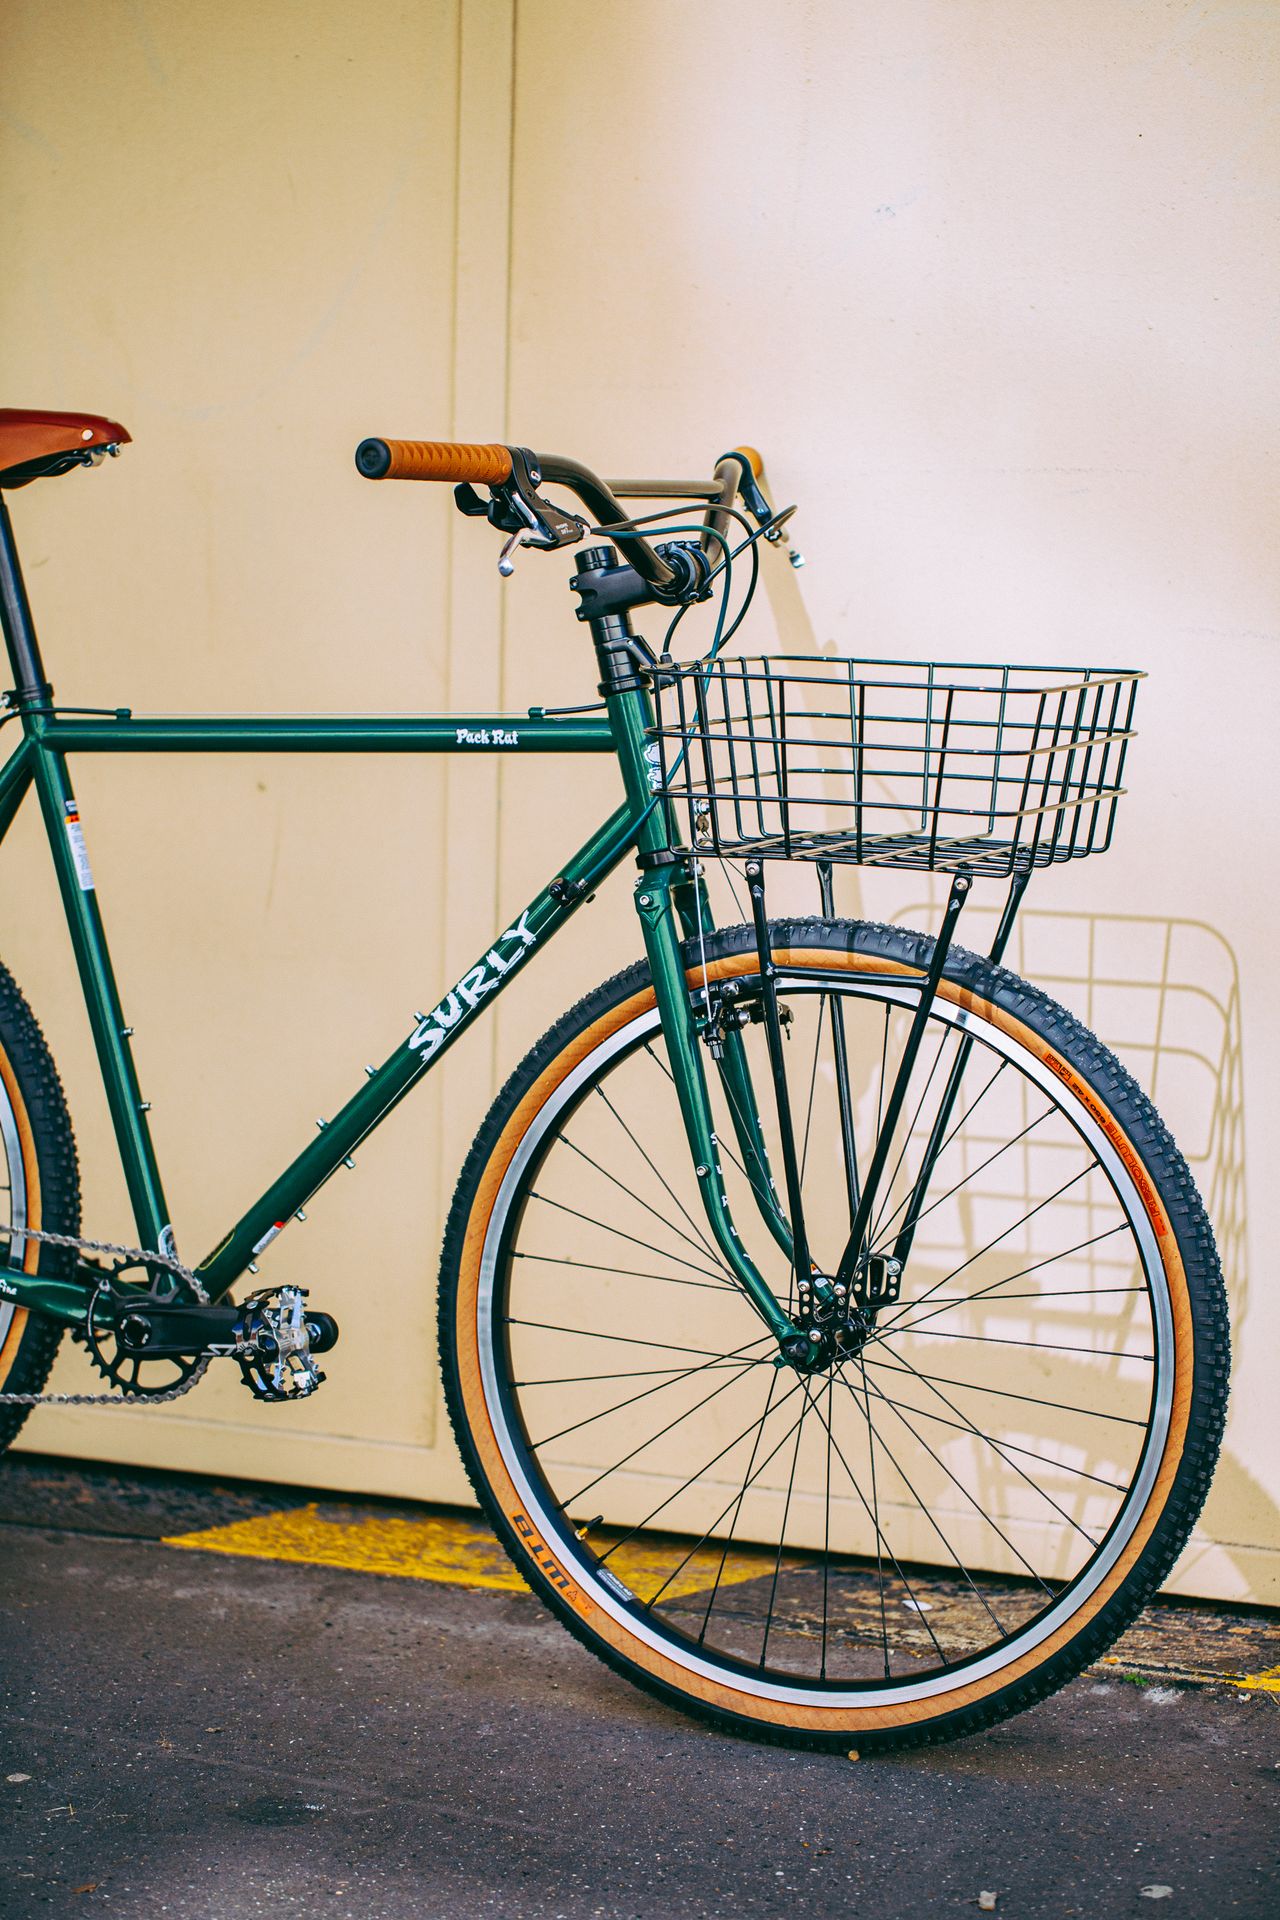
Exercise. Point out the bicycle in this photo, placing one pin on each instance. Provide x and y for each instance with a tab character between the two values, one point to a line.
832	1332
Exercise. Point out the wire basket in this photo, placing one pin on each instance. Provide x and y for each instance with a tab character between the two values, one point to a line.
891	763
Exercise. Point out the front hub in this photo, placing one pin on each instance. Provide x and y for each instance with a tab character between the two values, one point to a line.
835	1322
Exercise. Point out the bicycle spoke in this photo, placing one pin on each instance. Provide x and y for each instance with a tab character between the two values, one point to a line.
979	1434
1040	1346
690	1373
973	1173
1007	1393
826	1542
881	1537
884	1057
706	1468
590	1220
628	1273
813	1082
886	1186
631	1194
782	1534
963	1425
960	1486
733	1525
661	1434
875	1501
624	1339
932	1518
955	1129
667	1188
631	1373
888	1325
1021	1274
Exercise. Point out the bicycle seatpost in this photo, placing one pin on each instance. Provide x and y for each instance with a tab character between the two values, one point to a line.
31	689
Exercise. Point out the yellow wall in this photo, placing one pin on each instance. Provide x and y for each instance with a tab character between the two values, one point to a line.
986	280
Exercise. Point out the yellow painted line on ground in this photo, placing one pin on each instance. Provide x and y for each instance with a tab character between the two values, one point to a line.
1268	1682
453	1551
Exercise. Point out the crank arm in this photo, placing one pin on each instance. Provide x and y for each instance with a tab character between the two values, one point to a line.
155	1332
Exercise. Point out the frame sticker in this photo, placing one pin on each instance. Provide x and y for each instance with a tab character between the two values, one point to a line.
79	852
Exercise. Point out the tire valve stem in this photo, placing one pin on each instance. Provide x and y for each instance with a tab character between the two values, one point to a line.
580	1533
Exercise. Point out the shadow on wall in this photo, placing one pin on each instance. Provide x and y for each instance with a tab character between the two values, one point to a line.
1163	994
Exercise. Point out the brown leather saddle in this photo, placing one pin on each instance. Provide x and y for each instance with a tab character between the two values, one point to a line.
34	444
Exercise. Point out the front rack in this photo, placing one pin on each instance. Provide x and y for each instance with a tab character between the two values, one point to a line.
891	763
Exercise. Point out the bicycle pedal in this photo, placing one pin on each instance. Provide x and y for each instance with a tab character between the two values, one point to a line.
277	1340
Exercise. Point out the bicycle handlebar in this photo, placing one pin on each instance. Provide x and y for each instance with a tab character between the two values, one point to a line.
492	464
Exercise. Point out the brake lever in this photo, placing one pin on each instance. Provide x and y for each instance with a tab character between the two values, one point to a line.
550	525
516	508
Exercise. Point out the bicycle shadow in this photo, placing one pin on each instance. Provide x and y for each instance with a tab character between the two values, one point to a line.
1164	994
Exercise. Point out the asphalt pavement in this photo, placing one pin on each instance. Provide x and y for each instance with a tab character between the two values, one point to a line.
200	1732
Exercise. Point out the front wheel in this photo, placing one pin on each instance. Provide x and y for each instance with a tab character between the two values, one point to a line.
919	1538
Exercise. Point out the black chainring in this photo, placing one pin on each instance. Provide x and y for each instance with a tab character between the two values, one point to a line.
122	1368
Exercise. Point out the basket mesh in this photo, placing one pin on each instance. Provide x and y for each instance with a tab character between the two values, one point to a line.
891	763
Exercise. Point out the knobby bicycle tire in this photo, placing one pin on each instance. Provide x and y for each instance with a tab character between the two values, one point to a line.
39	1187
852	1651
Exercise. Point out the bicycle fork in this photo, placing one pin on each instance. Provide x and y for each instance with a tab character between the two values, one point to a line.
870	1279
656	908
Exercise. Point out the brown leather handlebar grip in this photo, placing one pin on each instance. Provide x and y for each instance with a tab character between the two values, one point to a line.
432	460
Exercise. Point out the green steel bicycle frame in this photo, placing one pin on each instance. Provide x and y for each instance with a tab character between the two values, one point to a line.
670	899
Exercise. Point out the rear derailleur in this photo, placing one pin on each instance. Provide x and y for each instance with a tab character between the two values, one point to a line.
271	1334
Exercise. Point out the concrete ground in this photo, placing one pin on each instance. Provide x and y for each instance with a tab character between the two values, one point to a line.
197	1731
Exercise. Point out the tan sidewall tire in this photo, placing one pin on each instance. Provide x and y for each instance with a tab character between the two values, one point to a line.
19	1318
39	1143
721	1697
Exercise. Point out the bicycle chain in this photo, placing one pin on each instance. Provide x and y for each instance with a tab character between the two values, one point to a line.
130	1256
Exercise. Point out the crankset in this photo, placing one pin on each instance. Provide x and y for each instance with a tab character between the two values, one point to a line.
146	1346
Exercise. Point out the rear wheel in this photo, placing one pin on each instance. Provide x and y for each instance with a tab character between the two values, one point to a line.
39	1187
923	1537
